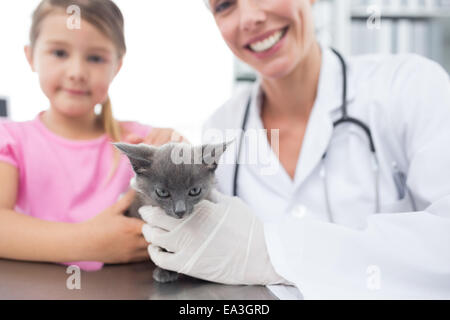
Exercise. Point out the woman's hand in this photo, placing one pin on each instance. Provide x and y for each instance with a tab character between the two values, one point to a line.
157	137
111	237
220	242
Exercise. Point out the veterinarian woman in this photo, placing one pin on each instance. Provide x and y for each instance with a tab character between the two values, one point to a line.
360	204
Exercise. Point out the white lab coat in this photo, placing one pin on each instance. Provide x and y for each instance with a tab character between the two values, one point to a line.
392	254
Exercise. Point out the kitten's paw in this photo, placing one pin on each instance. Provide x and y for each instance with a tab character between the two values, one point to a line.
164	276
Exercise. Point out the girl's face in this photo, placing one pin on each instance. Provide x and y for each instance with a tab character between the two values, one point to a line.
75	66
272	36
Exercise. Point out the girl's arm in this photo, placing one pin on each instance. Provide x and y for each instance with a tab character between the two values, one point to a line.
109	237
26	238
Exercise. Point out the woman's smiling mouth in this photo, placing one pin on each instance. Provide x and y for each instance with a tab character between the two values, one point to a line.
268	42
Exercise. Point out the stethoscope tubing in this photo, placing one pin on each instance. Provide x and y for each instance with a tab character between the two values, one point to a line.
344	119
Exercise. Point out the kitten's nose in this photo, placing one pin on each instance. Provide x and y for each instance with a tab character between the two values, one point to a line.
180	208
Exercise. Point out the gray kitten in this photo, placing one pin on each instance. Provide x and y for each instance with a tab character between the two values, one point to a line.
174	177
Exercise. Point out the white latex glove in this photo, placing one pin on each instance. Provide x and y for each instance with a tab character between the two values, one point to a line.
221	242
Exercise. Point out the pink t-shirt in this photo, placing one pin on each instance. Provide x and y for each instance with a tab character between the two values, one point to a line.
64	180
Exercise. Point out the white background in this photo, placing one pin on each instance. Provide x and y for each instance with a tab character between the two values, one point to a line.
177	70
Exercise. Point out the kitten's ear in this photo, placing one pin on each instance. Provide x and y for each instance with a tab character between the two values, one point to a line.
140	155
212	153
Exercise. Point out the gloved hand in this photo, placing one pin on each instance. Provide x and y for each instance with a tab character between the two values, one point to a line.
221	242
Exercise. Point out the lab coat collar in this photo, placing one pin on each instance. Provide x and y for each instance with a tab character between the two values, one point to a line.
320	125
326	110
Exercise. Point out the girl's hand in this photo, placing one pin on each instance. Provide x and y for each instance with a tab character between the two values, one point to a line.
111	237
157	137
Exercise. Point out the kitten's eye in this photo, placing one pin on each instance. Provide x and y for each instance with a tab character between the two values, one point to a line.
195	192
162	193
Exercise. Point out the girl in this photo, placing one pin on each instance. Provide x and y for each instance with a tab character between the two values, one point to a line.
60	177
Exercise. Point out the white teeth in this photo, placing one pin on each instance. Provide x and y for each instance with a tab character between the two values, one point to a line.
267	43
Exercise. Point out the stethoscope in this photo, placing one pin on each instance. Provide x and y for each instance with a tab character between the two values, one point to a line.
345	118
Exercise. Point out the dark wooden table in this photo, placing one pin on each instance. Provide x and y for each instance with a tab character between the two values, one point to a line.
28	280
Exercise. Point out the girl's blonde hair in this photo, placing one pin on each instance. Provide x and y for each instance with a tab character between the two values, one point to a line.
108	19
